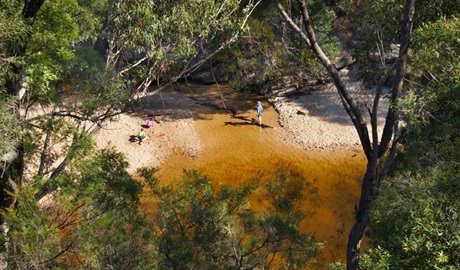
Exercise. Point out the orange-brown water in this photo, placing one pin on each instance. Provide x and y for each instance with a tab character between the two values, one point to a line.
235	150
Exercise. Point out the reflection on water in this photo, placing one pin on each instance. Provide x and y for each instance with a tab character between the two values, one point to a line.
236	149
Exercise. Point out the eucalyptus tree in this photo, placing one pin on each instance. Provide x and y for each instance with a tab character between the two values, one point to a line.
197	225
379	152
268	54
163	41
415	221
64	87
43	124
12	30
90	222
55	89
39	50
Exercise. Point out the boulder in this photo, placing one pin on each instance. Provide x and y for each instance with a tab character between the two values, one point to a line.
209	76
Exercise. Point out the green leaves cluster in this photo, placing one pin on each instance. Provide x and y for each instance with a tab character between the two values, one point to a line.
270	50
89	221
92	221
9	125
414	223
422	230
199	226
50	47
31	239
432	108
13	31
168	36
436	57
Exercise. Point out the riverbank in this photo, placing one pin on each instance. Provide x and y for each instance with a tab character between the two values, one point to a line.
310	120
213	129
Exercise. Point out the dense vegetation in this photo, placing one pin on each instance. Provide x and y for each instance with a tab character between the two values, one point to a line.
415	221
81	62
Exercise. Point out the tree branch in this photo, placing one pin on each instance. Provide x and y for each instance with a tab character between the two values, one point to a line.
189	69
132	66
57	255
308	35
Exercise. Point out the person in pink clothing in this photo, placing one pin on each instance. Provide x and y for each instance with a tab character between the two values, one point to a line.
149	123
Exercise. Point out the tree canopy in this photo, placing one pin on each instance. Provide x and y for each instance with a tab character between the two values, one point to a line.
67	66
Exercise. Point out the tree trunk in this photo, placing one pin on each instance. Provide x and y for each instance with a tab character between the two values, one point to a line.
372	175
371	147
362	216
31	8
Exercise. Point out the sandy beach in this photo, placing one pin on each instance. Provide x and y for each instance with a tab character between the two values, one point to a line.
310	120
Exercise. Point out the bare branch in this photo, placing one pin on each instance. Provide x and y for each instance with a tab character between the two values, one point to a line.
57	255
69	215
308	35
190	68
140	61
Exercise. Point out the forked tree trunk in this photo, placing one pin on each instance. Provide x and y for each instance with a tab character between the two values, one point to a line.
372	175
373	150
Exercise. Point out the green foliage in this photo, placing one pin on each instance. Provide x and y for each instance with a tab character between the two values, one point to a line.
49	47
336	266
89	222
380	24
291	200
322	20
270	50
251	62
89	219
286	191
415	222
61	136
103	179
431	11
9	125
377	259
43	50
432	110
422	230
13	31
436	57
170	34
197	226
31	239
90	90
90	17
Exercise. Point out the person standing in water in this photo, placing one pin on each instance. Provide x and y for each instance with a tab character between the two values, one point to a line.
260	110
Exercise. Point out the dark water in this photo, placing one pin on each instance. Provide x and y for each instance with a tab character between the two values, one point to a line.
235	150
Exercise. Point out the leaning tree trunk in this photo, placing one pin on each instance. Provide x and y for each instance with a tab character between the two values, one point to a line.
373	150
372	175
362	215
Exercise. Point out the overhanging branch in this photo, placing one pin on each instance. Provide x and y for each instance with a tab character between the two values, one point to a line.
352	109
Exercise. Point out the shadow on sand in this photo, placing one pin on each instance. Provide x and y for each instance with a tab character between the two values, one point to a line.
133	139
246	122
